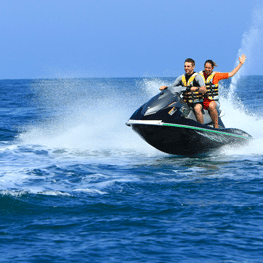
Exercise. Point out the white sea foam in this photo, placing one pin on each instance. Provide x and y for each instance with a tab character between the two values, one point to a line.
237	116
252	47
151	86
90	191
84	123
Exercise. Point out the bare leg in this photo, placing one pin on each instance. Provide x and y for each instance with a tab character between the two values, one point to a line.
198	112
213	113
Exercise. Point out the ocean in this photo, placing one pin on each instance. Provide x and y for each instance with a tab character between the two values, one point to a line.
78	185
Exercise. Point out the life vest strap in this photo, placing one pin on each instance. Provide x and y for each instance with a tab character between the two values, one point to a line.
192	97
212	92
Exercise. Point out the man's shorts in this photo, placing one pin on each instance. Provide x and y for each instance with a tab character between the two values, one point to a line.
206	103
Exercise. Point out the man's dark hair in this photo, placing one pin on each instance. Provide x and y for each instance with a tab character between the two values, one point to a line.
191	61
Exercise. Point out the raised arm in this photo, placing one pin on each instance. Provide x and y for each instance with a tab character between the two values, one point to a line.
242	60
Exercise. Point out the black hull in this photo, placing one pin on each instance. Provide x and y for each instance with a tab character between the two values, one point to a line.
188	140
167	123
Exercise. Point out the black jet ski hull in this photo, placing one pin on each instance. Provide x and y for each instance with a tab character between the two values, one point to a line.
181	139
167	123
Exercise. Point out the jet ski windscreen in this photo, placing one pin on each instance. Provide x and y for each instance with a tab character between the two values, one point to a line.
159	102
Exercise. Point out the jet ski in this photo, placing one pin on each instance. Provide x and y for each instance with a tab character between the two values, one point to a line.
167	123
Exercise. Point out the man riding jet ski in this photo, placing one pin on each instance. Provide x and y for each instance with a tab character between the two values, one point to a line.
193	88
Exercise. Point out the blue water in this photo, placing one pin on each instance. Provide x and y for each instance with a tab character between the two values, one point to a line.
77	185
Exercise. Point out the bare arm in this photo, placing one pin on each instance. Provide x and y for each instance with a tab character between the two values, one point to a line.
163	87
200	89
242	60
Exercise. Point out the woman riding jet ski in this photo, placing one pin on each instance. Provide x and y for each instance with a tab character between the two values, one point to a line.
170	125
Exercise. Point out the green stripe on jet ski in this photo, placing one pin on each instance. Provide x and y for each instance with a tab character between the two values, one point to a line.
205	130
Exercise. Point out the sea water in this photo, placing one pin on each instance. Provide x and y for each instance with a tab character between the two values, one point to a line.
78	185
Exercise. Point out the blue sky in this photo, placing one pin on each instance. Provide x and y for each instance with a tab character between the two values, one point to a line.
125	38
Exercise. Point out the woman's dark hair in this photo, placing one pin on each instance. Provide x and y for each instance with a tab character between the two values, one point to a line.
211	62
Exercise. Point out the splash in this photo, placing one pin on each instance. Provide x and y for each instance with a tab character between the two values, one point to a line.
86	115
252	47
151	86
237	116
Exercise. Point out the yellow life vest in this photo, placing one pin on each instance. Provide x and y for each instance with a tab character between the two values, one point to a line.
191	96
190	81
211	89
